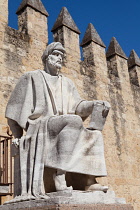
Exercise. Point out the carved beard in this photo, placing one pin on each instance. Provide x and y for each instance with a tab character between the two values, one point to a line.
54	65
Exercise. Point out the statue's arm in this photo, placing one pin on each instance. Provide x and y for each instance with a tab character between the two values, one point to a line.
85	108
17	131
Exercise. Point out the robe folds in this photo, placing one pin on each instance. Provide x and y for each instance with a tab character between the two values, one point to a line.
32	103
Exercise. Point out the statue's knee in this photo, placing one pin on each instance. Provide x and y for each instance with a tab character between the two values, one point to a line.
74	121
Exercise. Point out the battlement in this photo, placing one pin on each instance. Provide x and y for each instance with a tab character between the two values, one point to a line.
100	75
32	21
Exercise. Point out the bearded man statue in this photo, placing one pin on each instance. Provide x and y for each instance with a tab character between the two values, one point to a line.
48	108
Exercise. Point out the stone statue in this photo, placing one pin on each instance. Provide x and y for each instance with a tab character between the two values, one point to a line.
47	107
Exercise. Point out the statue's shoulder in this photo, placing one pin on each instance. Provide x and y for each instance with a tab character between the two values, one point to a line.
29	74
69	81
32	73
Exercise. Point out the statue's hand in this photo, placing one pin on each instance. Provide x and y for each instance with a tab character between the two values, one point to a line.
105	103
15	142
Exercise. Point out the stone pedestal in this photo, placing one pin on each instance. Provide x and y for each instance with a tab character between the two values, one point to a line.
39	206
72	200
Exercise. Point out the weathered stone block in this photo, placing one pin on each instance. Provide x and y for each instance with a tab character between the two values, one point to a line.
4	189
72	207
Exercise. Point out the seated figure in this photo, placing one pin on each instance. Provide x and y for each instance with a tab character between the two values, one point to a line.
47	106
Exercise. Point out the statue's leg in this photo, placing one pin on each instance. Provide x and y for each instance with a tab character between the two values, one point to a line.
25	179
93	181
67	128
60	181
23	167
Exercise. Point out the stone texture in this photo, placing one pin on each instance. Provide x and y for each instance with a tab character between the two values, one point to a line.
92	35
66	35
115	49
4	189
65	19
41	206
123	102
3	13
98	116
133	59
134	75
35	4
33	23
77	198
16	48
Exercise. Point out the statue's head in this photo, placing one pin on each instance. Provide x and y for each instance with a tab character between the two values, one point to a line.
53	57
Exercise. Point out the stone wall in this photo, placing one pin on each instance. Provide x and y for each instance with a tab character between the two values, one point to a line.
96	77
20	51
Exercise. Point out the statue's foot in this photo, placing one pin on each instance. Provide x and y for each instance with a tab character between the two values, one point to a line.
30	197
42	196
60	183
62	187
20	198
96	187
46	197
27	197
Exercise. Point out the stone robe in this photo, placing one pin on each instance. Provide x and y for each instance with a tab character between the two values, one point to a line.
37	97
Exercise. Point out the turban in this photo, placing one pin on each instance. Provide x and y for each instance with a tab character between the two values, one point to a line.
50	48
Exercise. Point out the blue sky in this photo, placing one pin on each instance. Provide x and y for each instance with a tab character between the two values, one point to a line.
120	18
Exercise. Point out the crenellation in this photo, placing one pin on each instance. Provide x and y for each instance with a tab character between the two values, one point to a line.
115	49
117	59
66	31
18	46
134	76
134	67
88	55
94	63
65	19
31	22
70	36
112	69
122	101
92	35
58	35
22	22
16	38
133	59
3	13
36	5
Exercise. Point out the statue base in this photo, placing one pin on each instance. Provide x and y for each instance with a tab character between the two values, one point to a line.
72	200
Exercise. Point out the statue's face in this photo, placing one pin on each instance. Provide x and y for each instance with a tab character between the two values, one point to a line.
54	61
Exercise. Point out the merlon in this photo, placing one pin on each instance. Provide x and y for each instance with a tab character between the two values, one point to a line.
35	4
92	35
65	19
